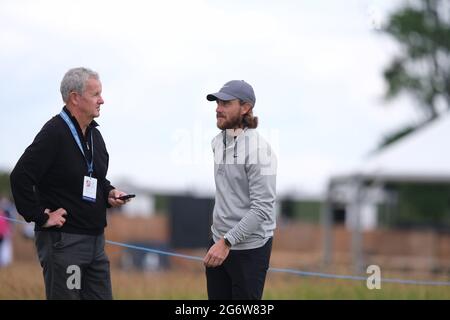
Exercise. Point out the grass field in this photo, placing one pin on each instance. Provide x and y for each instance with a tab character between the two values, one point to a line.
24	281
185	279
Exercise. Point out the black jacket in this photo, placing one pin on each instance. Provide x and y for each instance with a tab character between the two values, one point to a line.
51	172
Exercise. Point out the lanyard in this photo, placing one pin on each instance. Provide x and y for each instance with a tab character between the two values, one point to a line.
69	123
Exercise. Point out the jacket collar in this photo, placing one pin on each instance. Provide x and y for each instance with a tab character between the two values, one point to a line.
93	123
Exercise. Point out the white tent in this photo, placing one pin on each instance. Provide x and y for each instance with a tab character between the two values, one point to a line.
422	155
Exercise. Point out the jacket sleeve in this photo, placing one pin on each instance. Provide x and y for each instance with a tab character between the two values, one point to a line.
262	188
107	187
29	171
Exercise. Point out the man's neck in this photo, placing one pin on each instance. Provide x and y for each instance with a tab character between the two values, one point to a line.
82	120
234	132
239	127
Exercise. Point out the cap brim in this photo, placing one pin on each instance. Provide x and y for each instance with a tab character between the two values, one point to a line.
219	96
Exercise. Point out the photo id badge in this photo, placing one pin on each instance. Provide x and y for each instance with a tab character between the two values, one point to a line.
89	189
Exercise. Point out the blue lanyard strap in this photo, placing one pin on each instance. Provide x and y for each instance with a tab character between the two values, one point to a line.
69	123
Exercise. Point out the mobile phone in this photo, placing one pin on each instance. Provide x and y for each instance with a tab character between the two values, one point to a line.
126	197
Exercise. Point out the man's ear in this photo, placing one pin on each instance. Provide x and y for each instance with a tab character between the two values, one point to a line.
73	98
246	107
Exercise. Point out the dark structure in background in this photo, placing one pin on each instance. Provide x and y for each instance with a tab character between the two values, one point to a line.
288	208
306	209
190	221
145	260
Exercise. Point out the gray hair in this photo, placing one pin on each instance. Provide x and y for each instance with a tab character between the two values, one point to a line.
75	80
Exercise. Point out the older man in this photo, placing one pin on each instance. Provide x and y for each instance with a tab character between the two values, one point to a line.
60	184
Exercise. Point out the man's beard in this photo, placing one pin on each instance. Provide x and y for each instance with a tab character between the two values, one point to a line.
234	122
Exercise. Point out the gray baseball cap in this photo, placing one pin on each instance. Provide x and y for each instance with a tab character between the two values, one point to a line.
234	89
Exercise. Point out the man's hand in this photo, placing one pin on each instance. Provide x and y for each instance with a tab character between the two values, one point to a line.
216	254
113	194
56	218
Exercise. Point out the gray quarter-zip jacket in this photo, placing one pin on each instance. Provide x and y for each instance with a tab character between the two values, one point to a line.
245	176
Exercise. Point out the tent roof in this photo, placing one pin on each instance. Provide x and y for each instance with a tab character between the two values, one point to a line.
424	155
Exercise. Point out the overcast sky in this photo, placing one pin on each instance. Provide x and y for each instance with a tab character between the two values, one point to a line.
316	67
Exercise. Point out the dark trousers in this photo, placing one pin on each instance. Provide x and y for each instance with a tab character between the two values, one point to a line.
241	276
75	266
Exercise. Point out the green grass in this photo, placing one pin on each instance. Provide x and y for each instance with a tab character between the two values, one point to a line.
24	281
289	287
